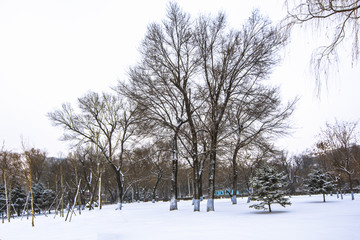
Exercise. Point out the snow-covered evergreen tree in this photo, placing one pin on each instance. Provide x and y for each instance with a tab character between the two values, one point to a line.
48	196
269	188
43	197
38	190
18	199
319	183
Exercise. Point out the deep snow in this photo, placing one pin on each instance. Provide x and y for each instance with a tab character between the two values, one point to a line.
307	218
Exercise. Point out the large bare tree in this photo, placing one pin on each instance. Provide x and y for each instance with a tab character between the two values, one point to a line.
231	59
255	120
105	121
161	83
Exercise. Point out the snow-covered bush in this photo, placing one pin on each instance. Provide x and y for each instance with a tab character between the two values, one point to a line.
269	187
319	183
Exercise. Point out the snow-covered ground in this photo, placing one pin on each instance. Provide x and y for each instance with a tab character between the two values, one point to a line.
307	218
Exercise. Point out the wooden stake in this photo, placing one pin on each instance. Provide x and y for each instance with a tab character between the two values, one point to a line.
73	206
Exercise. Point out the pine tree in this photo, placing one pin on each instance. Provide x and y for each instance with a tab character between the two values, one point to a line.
269	188
38	190
18	199
319	183
47	197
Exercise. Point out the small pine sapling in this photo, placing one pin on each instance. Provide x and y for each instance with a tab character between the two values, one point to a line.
269	187
319	183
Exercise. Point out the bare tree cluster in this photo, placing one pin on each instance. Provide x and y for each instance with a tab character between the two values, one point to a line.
204	84
196	103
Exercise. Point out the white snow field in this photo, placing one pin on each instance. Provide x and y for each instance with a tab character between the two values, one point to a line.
307	218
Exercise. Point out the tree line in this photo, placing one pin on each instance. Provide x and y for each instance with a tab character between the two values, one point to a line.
148	172
196	114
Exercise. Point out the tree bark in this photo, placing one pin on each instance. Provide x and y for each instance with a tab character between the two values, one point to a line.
99	198
211	195
119	180
235	174
155	187
173	198
6	198
213	149
350	181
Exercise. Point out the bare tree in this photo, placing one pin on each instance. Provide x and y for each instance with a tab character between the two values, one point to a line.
336	144
162	84
107	122
86	163
158	156
37	159
231	59
339	18
255	120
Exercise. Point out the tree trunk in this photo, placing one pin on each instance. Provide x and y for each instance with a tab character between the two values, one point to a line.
93	194
269	206
211	194
57	193
350	182
235	174
213	146
77	180
99	198
196	185
173	198
119	180
200	186
32	199
324	197
155	187
6	198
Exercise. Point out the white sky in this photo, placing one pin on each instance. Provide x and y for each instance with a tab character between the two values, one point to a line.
54	51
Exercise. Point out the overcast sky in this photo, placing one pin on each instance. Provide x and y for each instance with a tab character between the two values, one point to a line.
52	52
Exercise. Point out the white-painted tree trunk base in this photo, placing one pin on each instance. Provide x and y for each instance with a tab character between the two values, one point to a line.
173	204
210	205
119	206
196	205
352	196
234	199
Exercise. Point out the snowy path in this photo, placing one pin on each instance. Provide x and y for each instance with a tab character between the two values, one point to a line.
307	218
